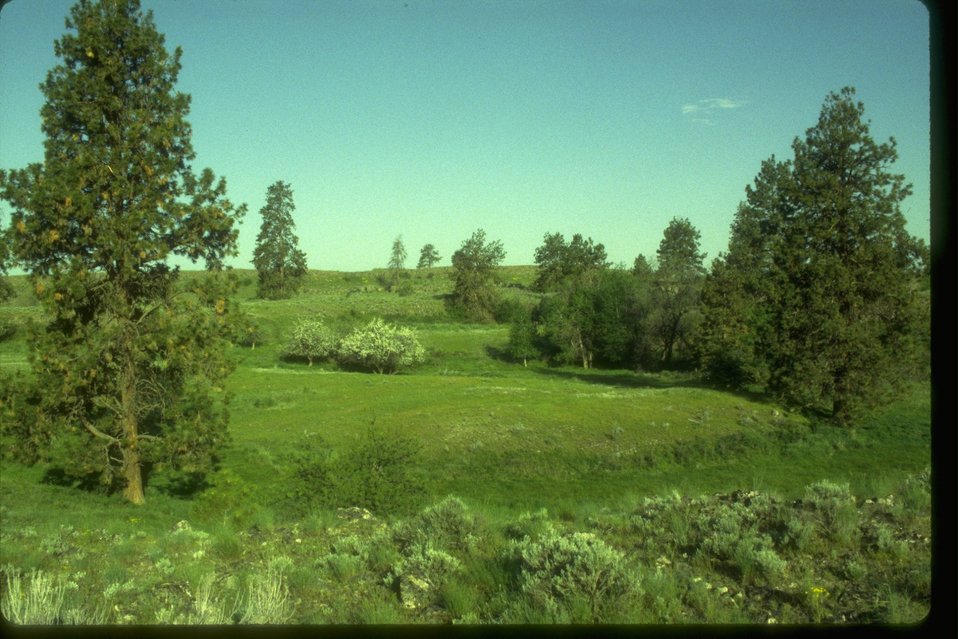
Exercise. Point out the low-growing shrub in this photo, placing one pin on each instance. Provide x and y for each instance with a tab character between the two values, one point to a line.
37	600
267	598
381	348
835	510
420	574
447	524
8	328
376	473
559	572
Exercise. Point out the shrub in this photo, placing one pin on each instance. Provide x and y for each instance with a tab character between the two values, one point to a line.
375	473
8	329
421	573
835	509
40	601
380	347
560	572
267	599
447	524
311	340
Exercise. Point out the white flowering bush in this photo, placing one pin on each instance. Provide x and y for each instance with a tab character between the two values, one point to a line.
381	348
311	340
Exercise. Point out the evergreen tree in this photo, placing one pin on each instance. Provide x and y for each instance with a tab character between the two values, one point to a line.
821	274
428	256
475	264
129	371
397	259
281	266
6	289
677	289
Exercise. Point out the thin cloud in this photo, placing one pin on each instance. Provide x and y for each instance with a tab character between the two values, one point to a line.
708	106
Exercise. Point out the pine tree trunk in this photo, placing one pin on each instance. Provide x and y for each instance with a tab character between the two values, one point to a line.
132	472
133	475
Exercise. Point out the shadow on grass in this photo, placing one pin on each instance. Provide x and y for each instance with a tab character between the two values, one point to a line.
624	379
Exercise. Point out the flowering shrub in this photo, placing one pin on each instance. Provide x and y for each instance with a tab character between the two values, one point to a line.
381	347
311	340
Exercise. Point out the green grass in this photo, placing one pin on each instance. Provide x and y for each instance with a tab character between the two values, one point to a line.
506	439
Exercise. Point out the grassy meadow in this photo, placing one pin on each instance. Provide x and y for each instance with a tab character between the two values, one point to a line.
663	500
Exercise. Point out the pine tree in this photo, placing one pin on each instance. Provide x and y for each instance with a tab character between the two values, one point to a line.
280	265
397	260
677	287
428	256
129	370
821	273
6	289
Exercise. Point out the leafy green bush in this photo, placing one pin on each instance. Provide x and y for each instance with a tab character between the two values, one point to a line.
381	348
561	572
375	473
311	340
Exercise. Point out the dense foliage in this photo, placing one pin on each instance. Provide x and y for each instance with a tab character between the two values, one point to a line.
474	293
311	340
818	296
559	262
131	369
380	347
597	315
280	265
677	289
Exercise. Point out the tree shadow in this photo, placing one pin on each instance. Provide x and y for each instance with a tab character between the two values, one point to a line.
625	379
500	354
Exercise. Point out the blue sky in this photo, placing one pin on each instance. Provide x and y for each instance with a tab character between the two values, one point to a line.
431	119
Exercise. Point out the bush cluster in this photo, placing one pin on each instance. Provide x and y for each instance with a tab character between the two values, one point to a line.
378	346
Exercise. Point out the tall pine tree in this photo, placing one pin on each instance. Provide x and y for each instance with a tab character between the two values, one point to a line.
279	264
677	288
816	296
129	369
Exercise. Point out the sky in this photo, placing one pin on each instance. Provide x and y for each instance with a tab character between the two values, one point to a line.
432	119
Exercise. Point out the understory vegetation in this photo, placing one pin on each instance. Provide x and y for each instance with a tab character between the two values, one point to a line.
739	557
